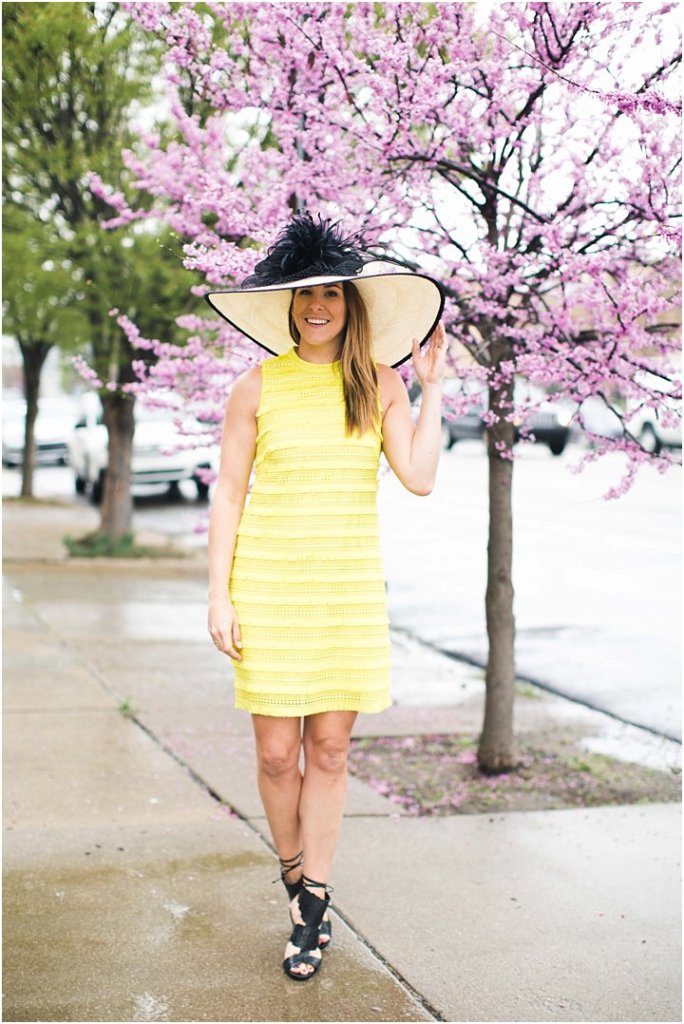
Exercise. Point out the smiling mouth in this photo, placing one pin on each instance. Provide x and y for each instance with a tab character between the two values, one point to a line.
315	322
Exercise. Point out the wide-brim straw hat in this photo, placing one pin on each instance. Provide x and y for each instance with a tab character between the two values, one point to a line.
401	305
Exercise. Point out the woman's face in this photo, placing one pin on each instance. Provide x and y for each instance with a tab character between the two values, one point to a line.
320	313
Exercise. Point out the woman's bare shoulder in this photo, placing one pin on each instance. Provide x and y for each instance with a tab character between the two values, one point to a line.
246	389
390	383
388	375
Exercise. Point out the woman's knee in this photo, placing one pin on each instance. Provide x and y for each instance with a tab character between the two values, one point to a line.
328	753
277	760
278	745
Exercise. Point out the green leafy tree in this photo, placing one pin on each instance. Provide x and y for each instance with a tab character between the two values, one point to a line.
152	288
41	290
73	75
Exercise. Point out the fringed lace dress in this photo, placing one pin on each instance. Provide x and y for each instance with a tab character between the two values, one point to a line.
307	579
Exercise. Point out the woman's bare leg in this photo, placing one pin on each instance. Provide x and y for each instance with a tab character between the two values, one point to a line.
304	813
278	746
321	803
324	788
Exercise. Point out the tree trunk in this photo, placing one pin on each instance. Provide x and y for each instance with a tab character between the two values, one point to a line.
116	511
496	748
33	357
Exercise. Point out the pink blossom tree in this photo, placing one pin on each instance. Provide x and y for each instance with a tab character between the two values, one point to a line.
527	157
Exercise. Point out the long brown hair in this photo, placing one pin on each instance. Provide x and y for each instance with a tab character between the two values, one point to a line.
359	375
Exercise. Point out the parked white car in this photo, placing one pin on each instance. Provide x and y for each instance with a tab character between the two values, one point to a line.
647	424
549	422
653	435
161	453
54	425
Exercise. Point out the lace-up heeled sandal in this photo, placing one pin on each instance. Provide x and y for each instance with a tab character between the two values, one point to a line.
293	888
286	866
305	937
325	933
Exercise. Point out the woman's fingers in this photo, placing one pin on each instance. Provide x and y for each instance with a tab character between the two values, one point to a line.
229	645
226	638
436	344
232	653
237	639
226	646
429	361
438	338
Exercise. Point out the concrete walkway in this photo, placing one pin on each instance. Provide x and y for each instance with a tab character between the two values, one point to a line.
137	863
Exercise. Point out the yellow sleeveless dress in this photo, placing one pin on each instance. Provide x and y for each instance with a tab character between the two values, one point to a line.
307	578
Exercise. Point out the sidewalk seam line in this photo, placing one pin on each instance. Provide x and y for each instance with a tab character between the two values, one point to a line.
197	778
532	681
134	720
452	655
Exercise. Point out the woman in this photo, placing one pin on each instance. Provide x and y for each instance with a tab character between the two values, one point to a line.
297	591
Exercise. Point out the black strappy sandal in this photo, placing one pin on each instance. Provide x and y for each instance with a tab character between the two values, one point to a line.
306	936
294	888
286	866
325	934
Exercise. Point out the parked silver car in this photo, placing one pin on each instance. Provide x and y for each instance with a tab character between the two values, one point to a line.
643	422
549	422
54	425
656	428
161	453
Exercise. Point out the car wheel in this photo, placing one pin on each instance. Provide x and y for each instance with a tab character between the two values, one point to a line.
649	439
199	481
97	489
447	439
79	484
557	447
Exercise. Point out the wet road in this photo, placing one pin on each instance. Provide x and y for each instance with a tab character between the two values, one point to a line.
597	583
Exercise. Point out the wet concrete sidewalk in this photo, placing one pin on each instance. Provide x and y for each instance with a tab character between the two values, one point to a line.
137	865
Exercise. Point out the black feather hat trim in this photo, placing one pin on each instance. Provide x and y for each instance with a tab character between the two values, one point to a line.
307	248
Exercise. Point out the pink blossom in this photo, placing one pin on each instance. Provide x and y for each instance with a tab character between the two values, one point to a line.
86	372
526	159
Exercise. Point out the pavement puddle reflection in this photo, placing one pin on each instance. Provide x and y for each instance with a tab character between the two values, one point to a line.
177	910
149	1007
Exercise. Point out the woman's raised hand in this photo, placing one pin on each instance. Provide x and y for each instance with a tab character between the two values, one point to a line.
225	629
429	361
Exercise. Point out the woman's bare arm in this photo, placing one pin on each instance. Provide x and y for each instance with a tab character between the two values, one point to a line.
238	444
413	450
